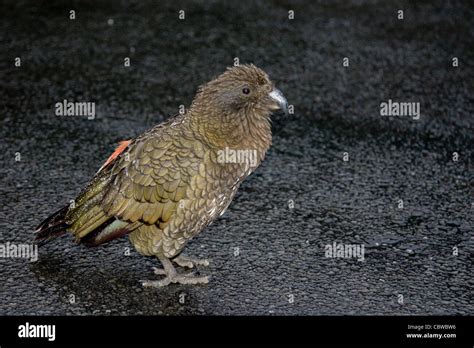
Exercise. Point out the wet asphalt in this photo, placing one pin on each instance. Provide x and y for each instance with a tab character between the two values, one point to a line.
266	257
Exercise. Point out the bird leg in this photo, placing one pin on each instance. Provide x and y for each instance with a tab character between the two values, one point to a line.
189	262
171	276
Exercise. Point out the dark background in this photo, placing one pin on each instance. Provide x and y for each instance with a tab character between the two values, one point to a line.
407	251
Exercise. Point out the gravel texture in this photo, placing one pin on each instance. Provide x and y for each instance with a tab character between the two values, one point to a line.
267	258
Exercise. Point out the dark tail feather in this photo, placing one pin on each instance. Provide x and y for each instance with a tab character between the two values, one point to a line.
53	227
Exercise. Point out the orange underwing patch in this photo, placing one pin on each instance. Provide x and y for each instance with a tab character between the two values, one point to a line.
122	146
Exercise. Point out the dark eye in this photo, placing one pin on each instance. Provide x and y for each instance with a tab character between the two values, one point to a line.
245	90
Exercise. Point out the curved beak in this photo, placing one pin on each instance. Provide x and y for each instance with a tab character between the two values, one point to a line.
279	98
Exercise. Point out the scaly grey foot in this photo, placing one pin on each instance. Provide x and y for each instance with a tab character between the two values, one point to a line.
159	271
171	276
189	262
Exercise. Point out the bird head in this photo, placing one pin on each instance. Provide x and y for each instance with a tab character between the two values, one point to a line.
240	100
243	89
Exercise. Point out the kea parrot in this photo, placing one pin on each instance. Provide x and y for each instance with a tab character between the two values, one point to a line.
166	185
